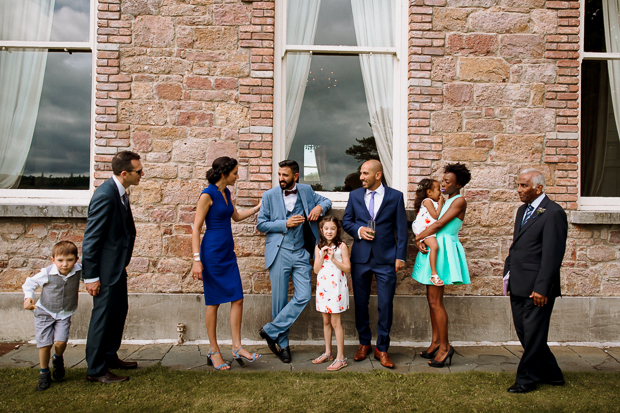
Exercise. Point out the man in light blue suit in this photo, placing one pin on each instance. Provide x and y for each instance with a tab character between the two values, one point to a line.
288	216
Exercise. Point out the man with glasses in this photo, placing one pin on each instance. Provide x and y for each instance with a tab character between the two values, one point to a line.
106	251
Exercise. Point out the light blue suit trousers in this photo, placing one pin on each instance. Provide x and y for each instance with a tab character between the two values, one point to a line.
288	264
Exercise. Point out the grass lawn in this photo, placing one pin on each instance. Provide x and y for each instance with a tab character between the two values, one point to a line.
158	389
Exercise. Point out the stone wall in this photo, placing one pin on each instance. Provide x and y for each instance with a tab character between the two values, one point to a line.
493	83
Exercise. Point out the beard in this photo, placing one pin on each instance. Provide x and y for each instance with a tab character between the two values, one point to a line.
287	185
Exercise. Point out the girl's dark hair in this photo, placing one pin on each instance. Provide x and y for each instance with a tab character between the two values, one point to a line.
425	185
322	240
463	176
222	166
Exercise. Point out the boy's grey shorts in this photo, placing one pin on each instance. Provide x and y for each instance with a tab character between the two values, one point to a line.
48	330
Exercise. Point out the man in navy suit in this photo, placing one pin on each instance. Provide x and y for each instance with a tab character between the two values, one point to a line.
106	251
288	216
383	256
533	269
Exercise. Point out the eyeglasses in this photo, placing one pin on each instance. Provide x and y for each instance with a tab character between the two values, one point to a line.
139	171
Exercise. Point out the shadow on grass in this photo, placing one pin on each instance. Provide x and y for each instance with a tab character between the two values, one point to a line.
157	389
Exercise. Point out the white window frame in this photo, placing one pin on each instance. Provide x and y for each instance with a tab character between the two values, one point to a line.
592	203
401	90
60	196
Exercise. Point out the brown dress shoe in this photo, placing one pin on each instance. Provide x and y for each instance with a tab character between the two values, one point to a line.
384	359
362	352
107	378
123	365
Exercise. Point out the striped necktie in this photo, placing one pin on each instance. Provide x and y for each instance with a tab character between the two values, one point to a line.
528	214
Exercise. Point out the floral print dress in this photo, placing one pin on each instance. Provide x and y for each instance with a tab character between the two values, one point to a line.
424	219
332	288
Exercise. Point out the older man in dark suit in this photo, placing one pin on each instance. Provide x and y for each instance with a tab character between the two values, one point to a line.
532	270
106	251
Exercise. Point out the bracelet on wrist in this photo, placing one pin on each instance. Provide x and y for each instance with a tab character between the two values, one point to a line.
196	254
197	259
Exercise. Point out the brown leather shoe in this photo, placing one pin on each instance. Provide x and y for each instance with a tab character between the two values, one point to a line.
123	365
384	359
107	378
362	352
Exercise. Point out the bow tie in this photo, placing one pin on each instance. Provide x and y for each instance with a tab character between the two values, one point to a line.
293	191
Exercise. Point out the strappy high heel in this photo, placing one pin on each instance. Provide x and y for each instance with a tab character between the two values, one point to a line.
440	364
239	359
429	355
210	361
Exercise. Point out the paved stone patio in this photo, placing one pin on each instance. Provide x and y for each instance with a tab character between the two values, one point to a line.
473	358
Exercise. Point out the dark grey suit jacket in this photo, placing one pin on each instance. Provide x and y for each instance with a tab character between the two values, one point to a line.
109	237
537	251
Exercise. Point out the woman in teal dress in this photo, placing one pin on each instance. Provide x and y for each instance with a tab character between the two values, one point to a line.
451	263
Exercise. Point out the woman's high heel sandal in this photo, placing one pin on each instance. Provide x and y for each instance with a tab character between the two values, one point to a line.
210	362
240	359
427	355
448	359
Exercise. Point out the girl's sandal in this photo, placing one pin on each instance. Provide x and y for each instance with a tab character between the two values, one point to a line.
333	367
436	280
323	358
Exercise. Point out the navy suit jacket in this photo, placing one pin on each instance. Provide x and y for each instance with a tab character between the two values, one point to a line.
537	251
271	219
109	236
390	242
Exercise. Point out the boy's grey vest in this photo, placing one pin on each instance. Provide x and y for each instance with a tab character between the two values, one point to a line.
294	237
60	295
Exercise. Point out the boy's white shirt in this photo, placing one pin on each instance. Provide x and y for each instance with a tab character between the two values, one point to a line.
42	278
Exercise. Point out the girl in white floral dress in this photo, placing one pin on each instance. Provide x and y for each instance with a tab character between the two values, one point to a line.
331	263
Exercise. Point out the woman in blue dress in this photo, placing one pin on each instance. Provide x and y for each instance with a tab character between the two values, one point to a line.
451	262
215	262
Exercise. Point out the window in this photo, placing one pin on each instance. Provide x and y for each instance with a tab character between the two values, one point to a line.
341	86
600	106
46	66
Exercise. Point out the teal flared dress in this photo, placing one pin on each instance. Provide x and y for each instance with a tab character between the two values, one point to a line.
451	262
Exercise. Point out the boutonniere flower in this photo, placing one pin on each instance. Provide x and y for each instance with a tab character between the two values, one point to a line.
540	211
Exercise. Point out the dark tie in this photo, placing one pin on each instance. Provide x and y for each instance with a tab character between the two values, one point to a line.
528	214
371	205
293	191
125	200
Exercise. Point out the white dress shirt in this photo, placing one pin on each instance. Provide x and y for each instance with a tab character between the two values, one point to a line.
41	278
379	193
537	201
121	191
291	199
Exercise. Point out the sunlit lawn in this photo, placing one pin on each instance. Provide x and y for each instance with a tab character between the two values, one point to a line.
157	389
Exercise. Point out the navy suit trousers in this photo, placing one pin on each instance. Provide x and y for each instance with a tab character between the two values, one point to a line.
385	274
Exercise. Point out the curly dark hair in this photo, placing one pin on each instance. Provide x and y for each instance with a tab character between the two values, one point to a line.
337	239
463	176
421	191
222	166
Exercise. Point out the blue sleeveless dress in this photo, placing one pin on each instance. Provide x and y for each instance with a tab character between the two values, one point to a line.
220	276
451	262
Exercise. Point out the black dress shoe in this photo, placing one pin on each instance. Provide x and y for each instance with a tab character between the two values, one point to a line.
520	388
560	382
107	378
285	354
271	343
123	365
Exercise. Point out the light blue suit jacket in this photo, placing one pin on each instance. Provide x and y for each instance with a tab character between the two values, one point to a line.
272	217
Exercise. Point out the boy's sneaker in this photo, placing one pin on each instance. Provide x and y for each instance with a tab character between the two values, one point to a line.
59	367
45	379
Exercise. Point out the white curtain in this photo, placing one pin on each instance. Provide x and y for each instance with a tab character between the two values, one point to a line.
21	81
611	16
374	22
301	27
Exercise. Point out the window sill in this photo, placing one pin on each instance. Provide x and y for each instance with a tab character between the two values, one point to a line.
594	217
44	208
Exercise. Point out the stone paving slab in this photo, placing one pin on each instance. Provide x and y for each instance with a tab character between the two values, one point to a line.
407	360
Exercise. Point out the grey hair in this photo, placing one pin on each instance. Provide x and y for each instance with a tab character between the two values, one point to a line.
537	177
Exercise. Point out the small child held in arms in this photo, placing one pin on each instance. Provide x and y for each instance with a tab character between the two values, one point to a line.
52	313
427	206
331	263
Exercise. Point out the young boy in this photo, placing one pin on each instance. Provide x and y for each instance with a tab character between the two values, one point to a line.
52	314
